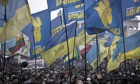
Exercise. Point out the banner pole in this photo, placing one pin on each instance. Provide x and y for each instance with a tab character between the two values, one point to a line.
67	42
97	53
4	46
123	40
74	47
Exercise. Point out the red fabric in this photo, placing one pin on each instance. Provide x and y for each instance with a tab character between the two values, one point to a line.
83	50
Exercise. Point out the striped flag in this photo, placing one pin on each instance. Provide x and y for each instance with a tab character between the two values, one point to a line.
19	43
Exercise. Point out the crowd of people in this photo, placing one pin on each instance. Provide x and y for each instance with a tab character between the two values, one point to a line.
60	73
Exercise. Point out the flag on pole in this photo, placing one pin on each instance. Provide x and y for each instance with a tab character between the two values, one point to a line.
130	8
106	16
17	17
57	45
39	32
132	46
80	37
56	25
19	43
74	13
56	4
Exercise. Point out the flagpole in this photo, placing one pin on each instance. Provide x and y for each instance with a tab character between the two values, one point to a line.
33	37
4	46
85	43
34	50
97	53
123	39
74	48
67	41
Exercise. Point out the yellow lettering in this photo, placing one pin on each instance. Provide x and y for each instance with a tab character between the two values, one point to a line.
59	49
56	30
69	1
133	11
58	2
76	15
37	50
138	9
127	12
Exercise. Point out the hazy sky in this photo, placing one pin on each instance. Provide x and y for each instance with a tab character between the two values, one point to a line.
39	5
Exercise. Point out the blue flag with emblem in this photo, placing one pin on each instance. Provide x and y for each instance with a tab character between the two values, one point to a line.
74	13
106	16
56	4
56	25
57	45
38	32
130	8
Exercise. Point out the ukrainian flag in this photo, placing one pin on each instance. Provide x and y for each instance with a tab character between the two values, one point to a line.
132	46
17	17
114	53
80	38
57	45
92	53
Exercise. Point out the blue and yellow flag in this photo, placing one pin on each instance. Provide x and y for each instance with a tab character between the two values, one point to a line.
56	4
57	45
130	8
106	16
74	13
72	56
113	53
80	37
132	46
92	55
38	32
17	18
2	13
56	25
110	37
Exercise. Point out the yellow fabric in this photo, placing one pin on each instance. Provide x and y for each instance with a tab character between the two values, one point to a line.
19	57
1	30
115	64
80	39
3	2
58	51
105	12
37	31
15	25
133	54
71	55
19	37
103	53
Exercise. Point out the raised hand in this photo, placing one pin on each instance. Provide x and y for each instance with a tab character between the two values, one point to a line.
105	12
37	24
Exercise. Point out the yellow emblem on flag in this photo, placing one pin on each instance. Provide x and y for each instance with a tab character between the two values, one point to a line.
37	31
105	12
